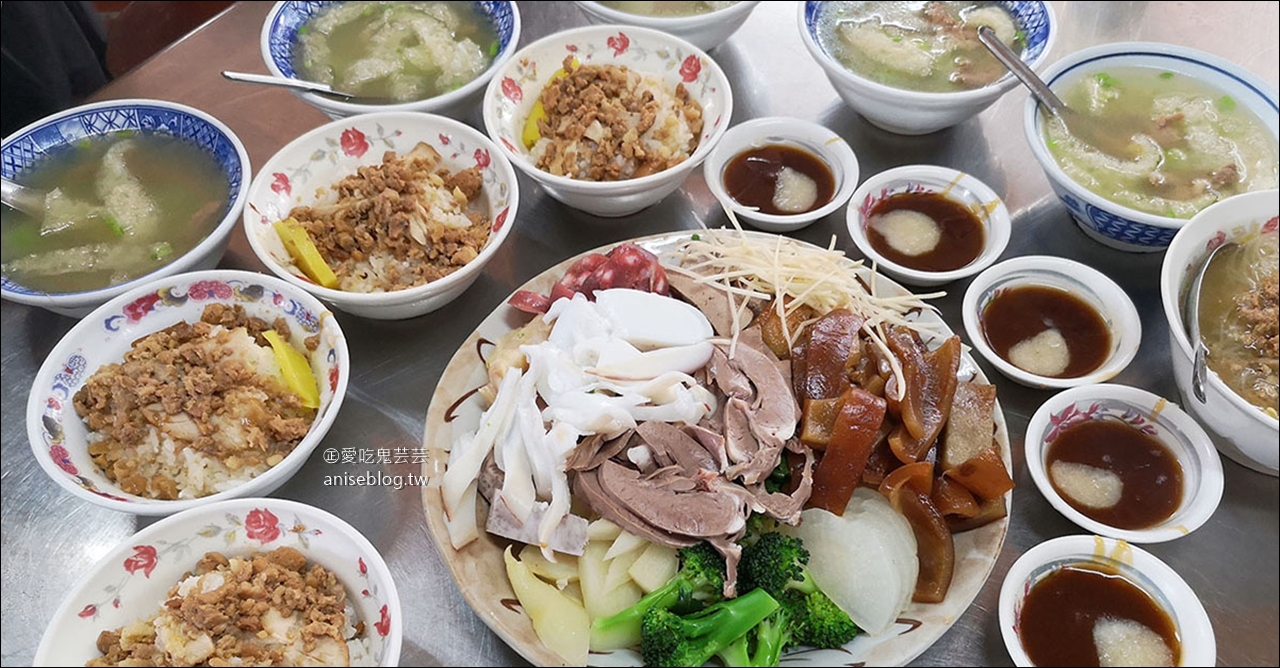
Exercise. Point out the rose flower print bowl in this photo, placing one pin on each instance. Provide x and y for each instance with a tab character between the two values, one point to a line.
132	582
61	440
515	90
302	173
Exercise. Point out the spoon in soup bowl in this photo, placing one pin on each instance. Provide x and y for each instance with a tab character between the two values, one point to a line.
1108	136
1192	315
21	198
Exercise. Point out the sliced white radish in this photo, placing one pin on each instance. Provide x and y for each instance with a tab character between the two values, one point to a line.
865	561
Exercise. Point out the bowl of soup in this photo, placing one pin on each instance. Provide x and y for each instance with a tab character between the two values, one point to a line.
1238	324
1203	129
1123	462
704	23
1089	600
133	190
430	56
917	67
591	151
928	225
1048	322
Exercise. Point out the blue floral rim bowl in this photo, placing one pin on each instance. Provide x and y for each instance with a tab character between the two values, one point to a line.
27	147
280	37
59	437
1107	222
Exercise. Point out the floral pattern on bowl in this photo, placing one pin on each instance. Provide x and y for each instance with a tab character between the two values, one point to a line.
58	435
131	582
1150	414
312	163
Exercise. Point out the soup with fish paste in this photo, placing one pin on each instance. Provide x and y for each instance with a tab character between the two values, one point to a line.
401	51
117	207
922	46
1192	144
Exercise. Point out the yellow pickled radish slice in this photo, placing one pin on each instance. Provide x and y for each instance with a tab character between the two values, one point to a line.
304	253
295	369
530	134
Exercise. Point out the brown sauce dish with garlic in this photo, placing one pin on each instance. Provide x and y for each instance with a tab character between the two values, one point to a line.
1046	331
779	180
925	231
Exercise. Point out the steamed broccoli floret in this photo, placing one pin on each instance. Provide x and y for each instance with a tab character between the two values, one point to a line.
775	563
699	582
764	644
668	639
817	621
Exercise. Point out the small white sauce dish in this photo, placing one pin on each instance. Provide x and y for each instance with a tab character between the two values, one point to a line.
823	143
1154	416
1082	281
132	581
1166	587
963	188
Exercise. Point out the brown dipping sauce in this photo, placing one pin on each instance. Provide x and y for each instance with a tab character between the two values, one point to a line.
1017	314
1058	614
962	233
751	177
1151	475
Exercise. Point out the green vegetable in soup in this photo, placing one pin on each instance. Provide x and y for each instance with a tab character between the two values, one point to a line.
1192	145
117	207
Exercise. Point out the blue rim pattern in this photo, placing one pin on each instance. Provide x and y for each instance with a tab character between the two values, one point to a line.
1031	17
23	151
1116	226
283	34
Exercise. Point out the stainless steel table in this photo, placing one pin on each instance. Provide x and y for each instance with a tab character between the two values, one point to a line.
50	539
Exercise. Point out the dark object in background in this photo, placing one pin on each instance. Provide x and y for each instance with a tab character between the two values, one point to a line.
54	55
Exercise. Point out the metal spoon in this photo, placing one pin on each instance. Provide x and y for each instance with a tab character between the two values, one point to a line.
296	84
21	198
1191	314
1089	129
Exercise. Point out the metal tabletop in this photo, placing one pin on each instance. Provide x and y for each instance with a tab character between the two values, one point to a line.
50	539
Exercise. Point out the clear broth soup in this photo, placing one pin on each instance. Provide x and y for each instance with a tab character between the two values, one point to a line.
396	51
923	46
1193	145
119	207
1238	308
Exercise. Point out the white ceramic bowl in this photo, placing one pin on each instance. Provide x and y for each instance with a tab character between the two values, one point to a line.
22	149
1153	415
1105	221
705	31
327	154
1138	566
1248	435
280	35
816	139
910	112
1087	283
58	435
516	87
964	188
132	581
